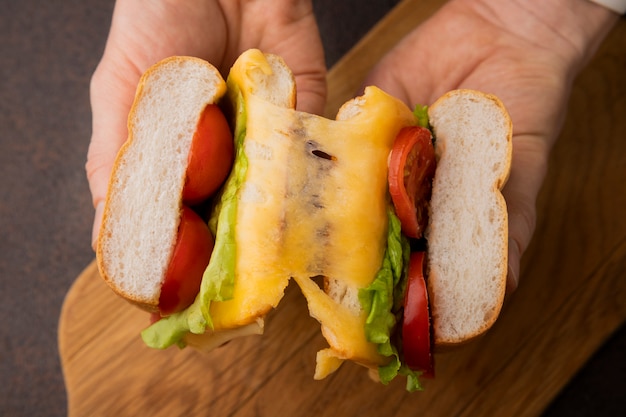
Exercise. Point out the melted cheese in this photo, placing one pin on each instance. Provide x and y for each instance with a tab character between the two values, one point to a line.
213	339
313	204
342	328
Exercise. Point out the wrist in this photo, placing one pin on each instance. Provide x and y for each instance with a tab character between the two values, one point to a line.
617	6
593	20
574	29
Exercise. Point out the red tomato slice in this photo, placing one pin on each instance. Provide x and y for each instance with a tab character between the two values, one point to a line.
192	252
210	158
411	168
416	324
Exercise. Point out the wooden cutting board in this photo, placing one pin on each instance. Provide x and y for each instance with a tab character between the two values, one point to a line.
571	299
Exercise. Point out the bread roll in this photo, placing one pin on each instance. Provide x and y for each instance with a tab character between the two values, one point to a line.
144	199
468	227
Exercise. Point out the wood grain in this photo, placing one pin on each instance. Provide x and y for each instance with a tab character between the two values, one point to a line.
571	299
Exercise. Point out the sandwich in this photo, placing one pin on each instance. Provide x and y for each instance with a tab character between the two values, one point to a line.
390	220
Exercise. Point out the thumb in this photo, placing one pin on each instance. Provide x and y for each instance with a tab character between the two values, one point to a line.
110	104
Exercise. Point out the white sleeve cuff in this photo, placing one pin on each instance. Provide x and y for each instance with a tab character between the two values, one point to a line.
618	6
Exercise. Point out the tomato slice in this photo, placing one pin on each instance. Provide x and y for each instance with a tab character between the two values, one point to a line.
411	169
416	344
211	156
154	317
192	252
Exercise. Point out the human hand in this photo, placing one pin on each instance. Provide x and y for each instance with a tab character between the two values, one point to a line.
142	33
527	54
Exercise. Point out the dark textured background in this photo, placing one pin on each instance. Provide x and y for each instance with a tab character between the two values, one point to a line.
48	51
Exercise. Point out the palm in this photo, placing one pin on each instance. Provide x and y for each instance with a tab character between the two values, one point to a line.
459	48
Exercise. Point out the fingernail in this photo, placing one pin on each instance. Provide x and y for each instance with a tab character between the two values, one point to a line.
97	220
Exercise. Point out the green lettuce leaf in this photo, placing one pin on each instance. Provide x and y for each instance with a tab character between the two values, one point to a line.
421	114
218	280
383	299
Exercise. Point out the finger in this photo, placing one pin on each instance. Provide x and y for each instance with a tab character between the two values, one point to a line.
286	28
528	169
305	58
311	90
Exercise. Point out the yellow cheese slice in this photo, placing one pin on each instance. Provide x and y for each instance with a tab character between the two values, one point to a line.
314	203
